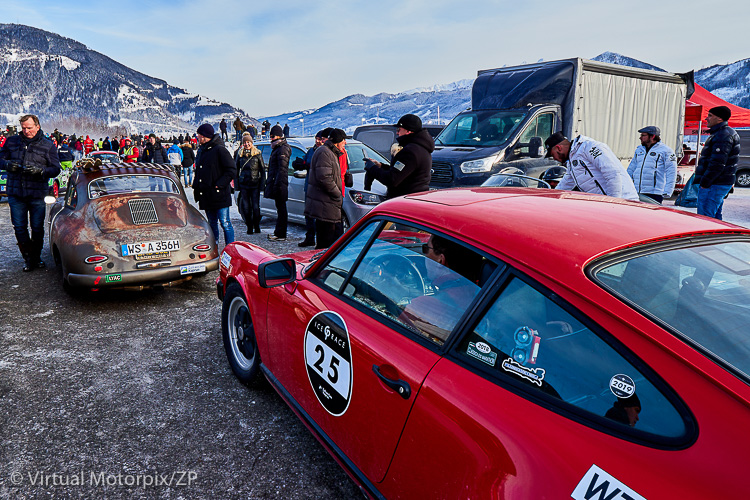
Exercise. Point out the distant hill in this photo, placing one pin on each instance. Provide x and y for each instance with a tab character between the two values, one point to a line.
72	83
615	58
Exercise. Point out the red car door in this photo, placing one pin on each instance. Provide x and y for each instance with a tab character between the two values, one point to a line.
367	426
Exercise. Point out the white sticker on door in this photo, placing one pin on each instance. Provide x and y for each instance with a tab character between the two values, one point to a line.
328	357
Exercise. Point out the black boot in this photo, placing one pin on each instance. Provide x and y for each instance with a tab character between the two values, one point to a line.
25	253
35	255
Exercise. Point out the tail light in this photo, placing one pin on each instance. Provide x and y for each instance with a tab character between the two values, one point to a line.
202	247
95	259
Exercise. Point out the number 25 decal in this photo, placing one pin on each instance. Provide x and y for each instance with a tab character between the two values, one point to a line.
328	358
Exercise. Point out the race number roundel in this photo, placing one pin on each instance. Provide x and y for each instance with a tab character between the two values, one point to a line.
329	361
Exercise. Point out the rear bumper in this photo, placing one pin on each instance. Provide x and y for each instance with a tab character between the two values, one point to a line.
143	277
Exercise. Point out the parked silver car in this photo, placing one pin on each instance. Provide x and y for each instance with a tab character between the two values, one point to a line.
357	201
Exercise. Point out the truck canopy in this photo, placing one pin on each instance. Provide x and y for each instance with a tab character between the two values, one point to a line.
607	102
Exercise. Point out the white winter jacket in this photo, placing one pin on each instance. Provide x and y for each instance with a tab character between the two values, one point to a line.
654	171
594	168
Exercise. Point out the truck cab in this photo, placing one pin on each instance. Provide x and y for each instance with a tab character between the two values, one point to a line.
479	143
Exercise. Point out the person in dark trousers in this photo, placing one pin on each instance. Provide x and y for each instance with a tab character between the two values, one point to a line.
717	165
325	192
223	128
286	130
277	183
214	172
30	160
251	178
239	127
410	169
153	152
320	139
188	162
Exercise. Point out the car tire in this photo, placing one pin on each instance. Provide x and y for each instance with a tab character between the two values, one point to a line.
238	333
743	178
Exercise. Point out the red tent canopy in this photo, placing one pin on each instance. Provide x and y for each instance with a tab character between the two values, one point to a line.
696	108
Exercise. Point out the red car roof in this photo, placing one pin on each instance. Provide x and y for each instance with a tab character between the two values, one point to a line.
558	225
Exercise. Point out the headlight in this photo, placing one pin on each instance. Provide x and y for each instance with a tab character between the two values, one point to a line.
475	166
365	198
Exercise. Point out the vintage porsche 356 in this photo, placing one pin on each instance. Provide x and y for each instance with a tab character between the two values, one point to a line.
128	226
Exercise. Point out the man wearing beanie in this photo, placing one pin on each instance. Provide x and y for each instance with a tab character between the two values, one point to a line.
214	171
717	163
277	182
410	169
325	192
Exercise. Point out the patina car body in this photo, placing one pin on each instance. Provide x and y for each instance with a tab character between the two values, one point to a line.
128	225
600	356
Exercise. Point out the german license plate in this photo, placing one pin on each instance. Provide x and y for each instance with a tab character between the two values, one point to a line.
149	247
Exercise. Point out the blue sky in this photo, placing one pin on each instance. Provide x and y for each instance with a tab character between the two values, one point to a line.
274	57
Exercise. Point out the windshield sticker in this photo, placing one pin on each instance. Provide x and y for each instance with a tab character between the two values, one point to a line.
482	352
598	484
622	386
328	357
535	375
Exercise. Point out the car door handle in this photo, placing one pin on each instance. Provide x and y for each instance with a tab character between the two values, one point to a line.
400	386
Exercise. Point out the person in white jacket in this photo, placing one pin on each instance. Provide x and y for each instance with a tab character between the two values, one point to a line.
654	166
591	167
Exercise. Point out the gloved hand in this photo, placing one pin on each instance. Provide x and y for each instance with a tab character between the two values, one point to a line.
368	180
369	163
12	166
33	170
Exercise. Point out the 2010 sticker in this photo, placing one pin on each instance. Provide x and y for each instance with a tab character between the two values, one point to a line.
622	386
328	357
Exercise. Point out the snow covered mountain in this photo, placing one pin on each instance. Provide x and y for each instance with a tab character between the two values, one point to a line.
615	58
64	82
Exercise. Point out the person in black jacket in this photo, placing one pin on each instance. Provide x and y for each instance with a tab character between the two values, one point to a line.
410	169
325	192
214	172
188	161
251	177
30	160
277	184
153	152
718	163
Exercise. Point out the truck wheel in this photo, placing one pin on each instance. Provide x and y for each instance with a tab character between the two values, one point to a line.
743	178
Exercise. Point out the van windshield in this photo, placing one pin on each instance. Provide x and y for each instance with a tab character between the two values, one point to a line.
480	128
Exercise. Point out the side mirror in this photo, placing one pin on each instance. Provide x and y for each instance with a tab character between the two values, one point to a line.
300	174
277	272
535	147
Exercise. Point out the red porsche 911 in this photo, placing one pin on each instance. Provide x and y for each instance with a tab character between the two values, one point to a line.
463	344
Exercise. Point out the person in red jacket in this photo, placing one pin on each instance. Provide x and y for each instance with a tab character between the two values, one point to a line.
128	152
88	145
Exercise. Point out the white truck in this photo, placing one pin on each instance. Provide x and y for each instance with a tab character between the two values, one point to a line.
514	109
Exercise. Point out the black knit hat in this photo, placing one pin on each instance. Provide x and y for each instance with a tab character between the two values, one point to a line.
337	135
722	112
323	134
410	122
206	130
276	131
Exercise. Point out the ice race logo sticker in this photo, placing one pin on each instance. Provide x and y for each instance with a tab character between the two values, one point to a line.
328	357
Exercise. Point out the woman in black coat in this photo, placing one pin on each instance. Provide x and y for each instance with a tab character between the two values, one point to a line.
277	184
214	172
251	178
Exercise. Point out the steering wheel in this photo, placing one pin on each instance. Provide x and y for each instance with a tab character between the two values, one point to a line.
396	277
